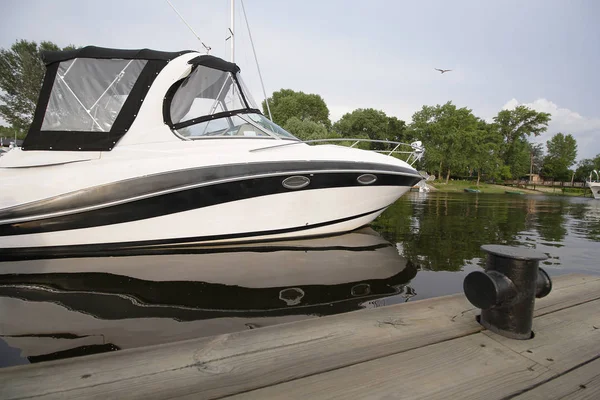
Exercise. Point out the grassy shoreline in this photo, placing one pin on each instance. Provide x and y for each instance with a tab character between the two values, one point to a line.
460	186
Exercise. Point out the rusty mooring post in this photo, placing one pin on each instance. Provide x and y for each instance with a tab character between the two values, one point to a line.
507	289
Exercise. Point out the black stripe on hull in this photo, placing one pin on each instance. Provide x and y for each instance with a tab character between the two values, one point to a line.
191	199
175	180
144	247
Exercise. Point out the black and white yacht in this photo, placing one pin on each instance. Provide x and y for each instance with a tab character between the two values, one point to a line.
144	148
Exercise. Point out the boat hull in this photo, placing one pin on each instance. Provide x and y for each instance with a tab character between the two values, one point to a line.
266	217
148	197
595	188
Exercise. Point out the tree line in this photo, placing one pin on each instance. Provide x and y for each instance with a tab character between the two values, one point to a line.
458	143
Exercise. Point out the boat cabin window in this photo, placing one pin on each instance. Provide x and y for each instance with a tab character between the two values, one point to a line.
88	94
212	102
205	92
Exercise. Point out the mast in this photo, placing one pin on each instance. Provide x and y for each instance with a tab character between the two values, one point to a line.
231	30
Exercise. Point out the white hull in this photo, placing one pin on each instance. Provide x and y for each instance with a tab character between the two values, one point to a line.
595	188
35	200
251	219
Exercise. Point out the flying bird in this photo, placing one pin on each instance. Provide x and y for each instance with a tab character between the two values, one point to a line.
442	70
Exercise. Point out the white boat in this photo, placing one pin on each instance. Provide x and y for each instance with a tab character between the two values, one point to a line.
141	147
594	185
56	308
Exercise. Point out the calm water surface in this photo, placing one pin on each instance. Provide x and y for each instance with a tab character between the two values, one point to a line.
422	246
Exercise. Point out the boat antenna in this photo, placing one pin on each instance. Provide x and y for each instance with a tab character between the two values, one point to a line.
207	48
256	60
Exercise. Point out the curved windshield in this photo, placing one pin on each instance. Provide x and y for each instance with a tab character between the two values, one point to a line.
250	125
270	126
205	92
211	102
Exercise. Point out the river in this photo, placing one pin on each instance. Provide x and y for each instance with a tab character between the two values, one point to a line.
422	246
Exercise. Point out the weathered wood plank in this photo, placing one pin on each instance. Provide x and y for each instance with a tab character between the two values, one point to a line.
237	362
465	368
470	367
578	384
563	339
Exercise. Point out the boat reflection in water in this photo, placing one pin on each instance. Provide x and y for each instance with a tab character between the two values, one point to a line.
58	308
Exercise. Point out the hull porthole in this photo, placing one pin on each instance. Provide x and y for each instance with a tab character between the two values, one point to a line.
366	179
295	182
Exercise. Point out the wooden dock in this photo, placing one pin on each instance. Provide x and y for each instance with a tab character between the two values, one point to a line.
429	349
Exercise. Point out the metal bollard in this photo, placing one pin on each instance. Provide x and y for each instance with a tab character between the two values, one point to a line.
507	289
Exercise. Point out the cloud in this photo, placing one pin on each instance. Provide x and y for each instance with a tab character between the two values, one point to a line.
586	130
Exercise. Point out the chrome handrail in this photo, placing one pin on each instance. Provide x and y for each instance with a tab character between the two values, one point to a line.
417	147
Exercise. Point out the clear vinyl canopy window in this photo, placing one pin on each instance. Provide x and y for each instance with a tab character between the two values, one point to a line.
88	94
208	91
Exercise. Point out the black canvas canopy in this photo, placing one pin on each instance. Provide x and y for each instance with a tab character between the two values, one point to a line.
216	63
90	96
50	57
66	114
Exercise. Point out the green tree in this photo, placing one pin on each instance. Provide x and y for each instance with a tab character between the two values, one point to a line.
425	127
515	127
536	155
368	123
518	158
486	146
287	103
9	132
448	134
306	130
586	166
21	75
562	151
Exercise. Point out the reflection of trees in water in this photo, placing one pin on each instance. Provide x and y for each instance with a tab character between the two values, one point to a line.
586	216
554	217
444	231
551	221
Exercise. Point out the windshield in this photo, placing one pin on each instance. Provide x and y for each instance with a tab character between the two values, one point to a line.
211	102
270	126
250	125
205	92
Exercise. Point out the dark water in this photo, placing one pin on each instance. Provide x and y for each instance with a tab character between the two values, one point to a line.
422	246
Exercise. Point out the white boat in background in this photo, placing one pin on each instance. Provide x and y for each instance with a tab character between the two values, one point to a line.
141	148
594	185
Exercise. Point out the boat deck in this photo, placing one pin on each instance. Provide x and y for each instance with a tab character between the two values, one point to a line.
429	349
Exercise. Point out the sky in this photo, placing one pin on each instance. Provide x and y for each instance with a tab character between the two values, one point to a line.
367	54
